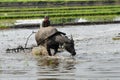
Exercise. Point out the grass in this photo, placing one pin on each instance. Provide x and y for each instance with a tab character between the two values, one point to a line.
4	9
47	0
61	14
58	12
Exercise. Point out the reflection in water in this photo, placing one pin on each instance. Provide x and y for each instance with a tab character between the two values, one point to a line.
52	67
48	61
98	56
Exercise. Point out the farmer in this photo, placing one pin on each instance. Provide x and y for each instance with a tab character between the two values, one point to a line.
46	22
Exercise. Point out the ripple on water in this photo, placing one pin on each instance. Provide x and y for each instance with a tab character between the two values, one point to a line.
97	56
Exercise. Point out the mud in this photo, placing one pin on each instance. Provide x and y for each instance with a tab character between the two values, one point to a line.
97	58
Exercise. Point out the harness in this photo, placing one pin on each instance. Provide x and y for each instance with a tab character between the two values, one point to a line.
57	33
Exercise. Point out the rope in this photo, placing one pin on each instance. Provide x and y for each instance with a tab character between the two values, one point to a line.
29	37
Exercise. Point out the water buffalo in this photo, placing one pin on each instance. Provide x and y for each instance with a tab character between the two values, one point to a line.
51	38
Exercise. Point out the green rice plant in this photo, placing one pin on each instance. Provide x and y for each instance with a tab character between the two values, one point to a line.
58	15
48	1
59	11
3	27
57	8
62	14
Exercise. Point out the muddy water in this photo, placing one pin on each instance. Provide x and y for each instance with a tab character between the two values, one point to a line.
98	56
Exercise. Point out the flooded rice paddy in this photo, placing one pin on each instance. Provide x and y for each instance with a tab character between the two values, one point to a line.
98	56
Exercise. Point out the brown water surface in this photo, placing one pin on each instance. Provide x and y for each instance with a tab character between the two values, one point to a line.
98	56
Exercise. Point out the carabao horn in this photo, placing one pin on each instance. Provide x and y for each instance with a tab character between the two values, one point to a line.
71	38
